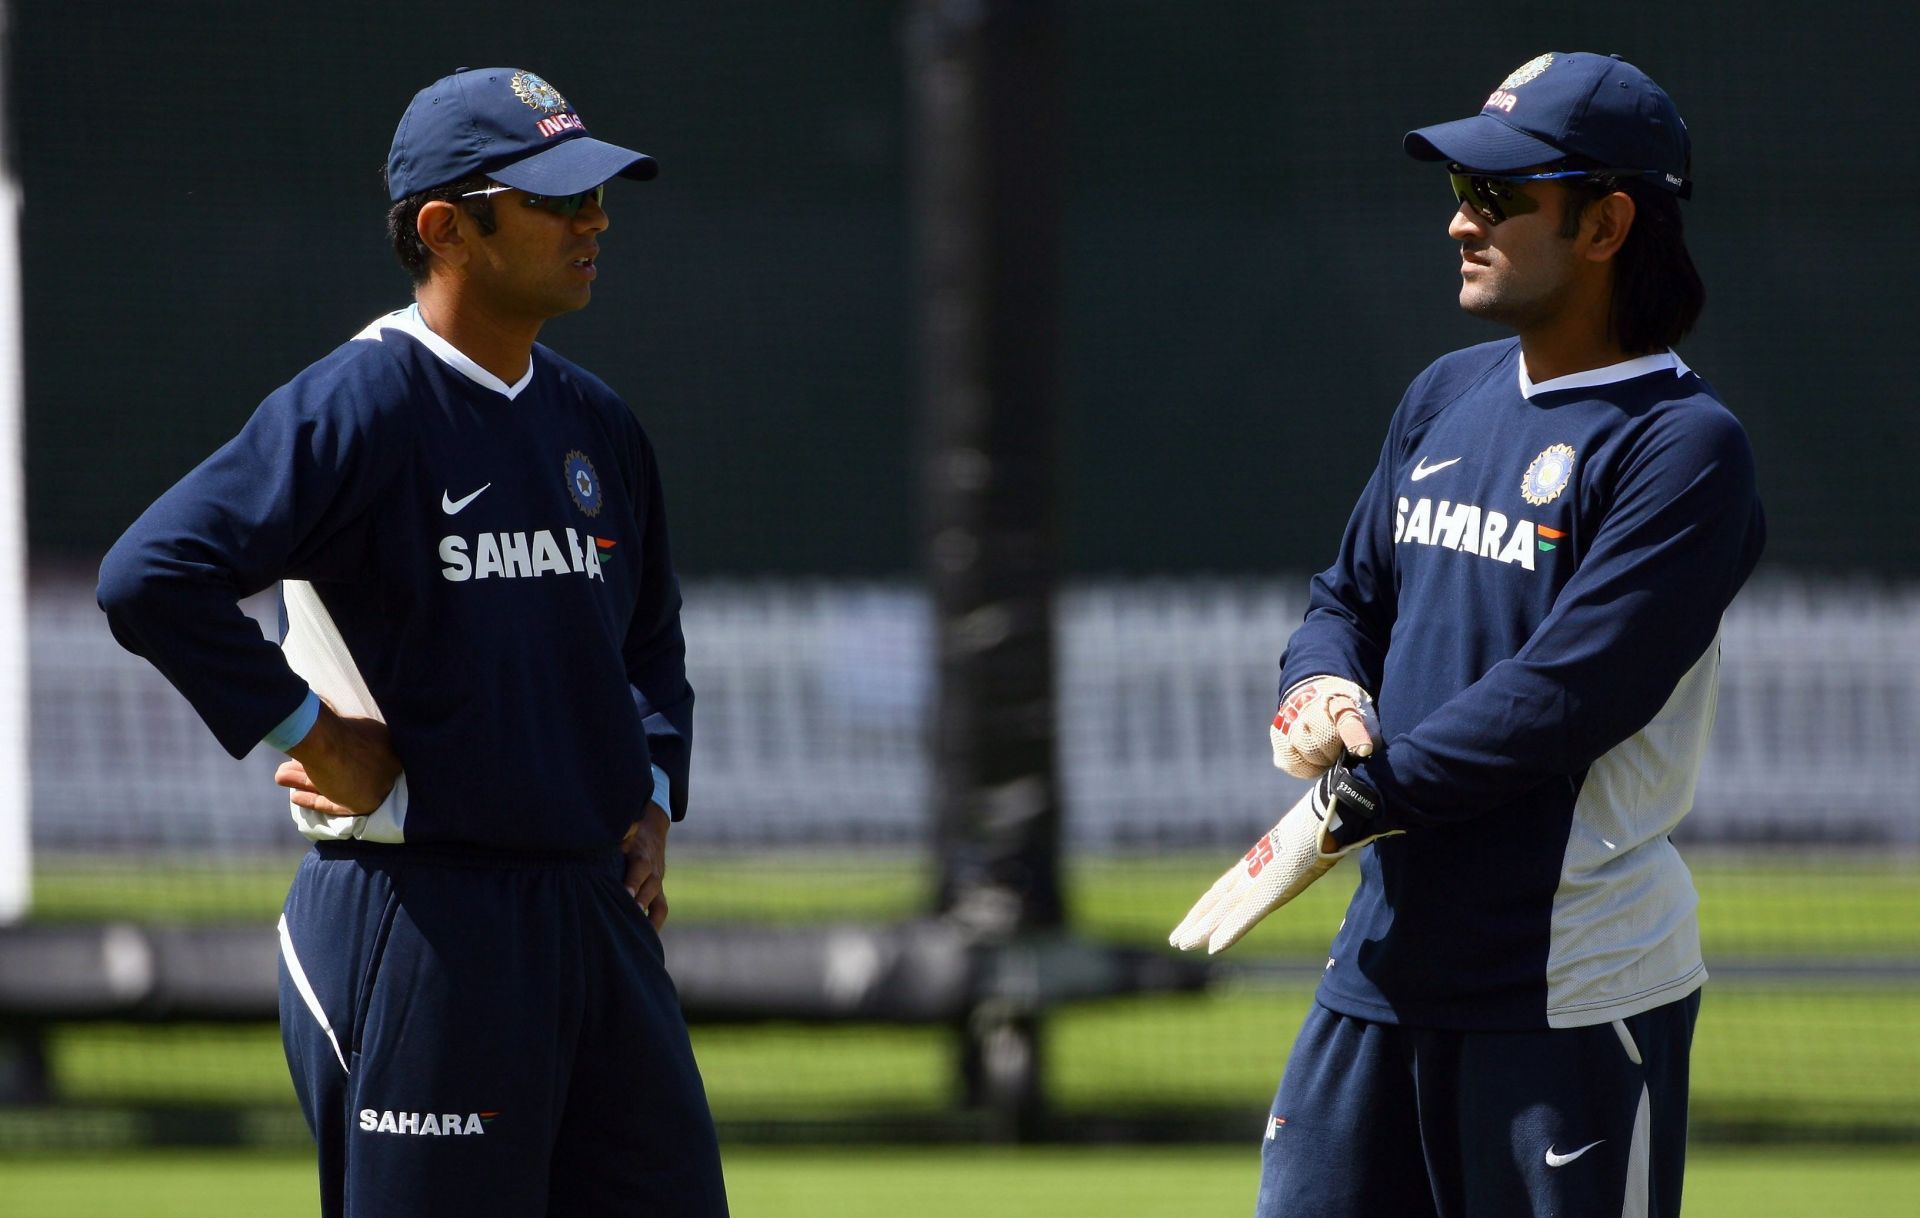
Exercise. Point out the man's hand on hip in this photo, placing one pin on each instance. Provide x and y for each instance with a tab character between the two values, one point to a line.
646	849
344	767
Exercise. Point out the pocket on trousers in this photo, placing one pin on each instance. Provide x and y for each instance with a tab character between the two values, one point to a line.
370	972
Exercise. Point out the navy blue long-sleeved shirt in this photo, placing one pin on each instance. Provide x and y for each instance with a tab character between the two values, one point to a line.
492	558
1532	585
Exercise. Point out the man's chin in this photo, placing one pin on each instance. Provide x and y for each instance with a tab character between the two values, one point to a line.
573	302
1486	307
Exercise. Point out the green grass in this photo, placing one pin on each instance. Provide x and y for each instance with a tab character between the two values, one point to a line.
786	1071
1803	1062
965	1183
1825	908
138	1064
1809	1058
68	888
800	884
1806	1058
1840	906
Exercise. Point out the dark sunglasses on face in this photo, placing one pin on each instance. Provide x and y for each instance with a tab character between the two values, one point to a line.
1491	196
564	206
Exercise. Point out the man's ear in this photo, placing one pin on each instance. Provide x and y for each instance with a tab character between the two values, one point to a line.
440	230
1603	230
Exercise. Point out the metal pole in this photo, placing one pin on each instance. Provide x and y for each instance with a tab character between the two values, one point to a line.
986	156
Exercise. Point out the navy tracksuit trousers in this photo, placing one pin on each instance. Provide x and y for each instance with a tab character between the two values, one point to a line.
1378	1120
489	1036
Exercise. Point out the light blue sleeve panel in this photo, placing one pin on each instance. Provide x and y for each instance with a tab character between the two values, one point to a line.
294	728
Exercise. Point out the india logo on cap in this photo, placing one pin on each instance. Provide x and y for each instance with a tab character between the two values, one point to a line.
537	93
1502	99
1524	73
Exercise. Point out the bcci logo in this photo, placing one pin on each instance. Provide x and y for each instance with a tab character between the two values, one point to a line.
537	93
583	483
1503	99
1519	76
1548	475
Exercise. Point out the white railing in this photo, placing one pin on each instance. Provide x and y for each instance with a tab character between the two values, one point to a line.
812	707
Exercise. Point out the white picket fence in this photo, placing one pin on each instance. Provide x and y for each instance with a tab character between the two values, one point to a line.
812	720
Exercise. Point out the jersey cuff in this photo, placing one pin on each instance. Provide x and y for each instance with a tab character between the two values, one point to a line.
294	728
663	790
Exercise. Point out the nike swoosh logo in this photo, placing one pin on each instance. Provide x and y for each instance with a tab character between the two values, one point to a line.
1423	469
452	506
1554	1160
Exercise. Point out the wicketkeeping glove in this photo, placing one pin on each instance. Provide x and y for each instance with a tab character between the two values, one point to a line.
1336	816
1317	719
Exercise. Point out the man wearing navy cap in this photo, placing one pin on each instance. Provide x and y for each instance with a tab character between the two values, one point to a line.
482	692
1503	688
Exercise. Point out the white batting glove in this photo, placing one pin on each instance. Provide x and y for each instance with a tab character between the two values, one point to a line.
1319	717
1332	820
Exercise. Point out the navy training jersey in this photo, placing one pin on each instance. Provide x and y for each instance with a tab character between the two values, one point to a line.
1532	586
488	561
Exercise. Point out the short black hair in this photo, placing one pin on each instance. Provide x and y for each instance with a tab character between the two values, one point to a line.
403	220
1657	291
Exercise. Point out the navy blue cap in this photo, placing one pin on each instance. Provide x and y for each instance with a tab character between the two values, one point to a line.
1595	106
508	124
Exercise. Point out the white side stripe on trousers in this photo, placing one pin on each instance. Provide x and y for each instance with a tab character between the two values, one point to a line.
307	995
1626	1041
1637	1201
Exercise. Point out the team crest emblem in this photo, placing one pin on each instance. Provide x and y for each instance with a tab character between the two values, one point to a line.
1519	76
1548	475
537	93
584	484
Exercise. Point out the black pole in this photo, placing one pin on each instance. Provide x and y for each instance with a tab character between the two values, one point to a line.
986	158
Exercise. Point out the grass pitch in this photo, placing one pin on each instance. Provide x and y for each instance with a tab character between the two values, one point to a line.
1793	1056
1846	907
967	1183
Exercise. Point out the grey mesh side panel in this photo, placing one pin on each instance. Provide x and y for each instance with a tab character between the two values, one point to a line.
1624	935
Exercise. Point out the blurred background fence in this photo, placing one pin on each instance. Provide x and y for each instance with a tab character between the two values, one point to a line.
1251	272
813	777
815	704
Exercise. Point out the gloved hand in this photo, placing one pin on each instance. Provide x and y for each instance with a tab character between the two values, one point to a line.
1317	719
1338	815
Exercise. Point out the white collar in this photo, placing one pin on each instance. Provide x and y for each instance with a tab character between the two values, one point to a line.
409	321
1626	370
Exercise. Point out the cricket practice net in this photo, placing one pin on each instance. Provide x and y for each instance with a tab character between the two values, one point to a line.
811	791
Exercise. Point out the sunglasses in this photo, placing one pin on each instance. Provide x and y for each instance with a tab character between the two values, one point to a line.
1492	196
564	206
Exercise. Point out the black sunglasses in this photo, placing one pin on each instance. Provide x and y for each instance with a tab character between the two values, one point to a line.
564	206
1493	198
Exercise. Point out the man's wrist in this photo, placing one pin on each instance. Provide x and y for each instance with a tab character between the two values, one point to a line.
295	727
1351	809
